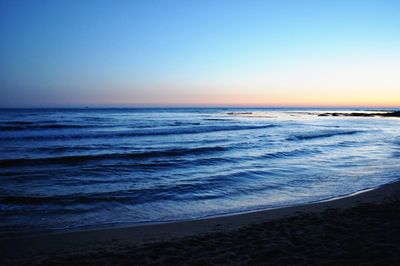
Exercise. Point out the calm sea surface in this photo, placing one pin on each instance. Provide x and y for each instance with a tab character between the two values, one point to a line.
91	168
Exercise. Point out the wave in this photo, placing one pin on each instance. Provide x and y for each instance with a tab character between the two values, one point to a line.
132	196
217	119
40	127
74	148
239	113
112	156
179	123
136	133
18	122
324	134
293	153
195	190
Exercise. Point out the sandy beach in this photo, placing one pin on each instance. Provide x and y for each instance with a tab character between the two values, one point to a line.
359	229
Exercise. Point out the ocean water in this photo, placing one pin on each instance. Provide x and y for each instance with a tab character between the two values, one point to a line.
74	169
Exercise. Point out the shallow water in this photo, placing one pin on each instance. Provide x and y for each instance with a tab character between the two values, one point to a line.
89	168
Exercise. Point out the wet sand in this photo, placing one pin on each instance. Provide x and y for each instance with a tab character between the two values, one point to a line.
363	229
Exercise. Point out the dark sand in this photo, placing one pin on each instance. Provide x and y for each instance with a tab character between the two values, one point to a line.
362	229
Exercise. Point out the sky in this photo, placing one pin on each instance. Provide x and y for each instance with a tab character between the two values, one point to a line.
199	53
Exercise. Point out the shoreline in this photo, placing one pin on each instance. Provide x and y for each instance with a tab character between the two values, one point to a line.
110	238
128	225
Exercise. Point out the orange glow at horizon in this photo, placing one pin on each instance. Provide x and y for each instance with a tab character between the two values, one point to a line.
333	82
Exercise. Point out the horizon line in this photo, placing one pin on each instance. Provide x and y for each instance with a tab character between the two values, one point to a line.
127	106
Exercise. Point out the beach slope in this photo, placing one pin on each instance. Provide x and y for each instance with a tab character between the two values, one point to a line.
360	229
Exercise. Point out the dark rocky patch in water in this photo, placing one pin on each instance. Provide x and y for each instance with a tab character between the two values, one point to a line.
388	114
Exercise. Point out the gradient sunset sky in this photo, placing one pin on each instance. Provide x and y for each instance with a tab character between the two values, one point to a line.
199	53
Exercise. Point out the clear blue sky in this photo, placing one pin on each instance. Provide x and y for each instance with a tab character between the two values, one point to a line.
111	53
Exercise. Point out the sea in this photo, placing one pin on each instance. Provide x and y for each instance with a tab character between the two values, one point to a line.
79	169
